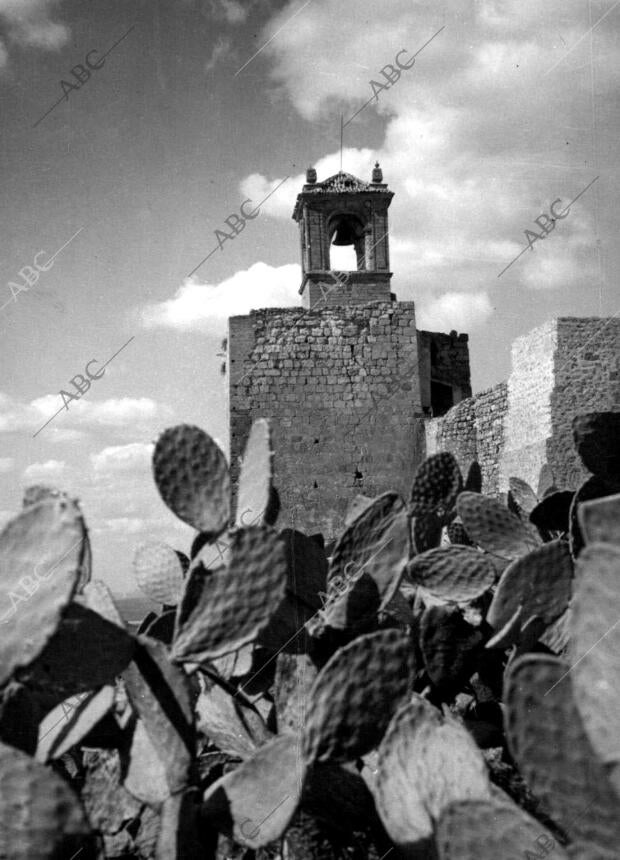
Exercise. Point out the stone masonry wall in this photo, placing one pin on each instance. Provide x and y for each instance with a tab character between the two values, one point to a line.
341	386
528	423
560	369
587	379
473	430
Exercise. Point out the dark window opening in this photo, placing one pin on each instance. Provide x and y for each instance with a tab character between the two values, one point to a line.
358	478
316	441
442	398
316	486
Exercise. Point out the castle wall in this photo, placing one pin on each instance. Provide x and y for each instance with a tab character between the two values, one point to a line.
341	386
473	430
560	369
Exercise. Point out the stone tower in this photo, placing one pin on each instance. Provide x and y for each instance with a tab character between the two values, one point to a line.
346	379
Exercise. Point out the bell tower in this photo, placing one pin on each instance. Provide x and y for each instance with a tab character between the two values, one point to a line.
344	210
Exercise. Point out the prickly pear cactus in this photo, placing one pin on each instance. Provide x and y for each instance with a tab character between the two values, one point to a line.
493	527
489	829
599	520
40	816
159	572
355	695
453	573
192	477
256	802
596	437
375	545
548	741
596	645
524	496
540	582
69	723
40	558
426	762
436	485
297	700
235	602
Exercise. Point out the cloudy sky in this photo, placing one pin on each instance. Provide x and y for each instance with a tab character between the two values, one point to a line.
115	181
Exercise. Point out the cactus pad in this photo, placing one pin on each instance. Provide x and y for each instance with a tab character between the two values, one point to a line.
547	740
356	507
192	477
453	573
85	652
236	602
546	481
256	801
40	816
426	532
377	544
465	833
599	520
159	572
595	632
98	597
457	534
436	485
524	496
540	582
40	557
355	695
592	488
426	762
596	436
68	723
552	512
449	645
493	527
160	694
146	774
229	724
255	479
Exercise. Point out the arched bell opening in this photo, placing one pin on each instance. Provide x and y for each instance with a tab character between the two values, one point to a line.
347	239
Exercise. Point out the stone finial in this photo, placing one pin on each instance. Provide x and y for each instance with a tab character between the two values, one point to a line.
310	176
377	173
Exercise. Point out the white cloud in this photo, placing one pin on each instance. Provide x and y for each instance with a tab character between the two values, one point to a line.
123	458
138	414
470	144
232	10
51	470
280	204
454	310
29	24
220	49
6	464
207	306
124	525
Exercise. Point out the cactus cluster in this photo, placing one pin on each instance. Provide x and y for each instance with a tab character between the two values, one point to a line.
442	686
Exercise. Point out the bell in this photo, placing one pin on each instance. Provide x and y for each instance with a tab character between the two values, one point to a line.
344	235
